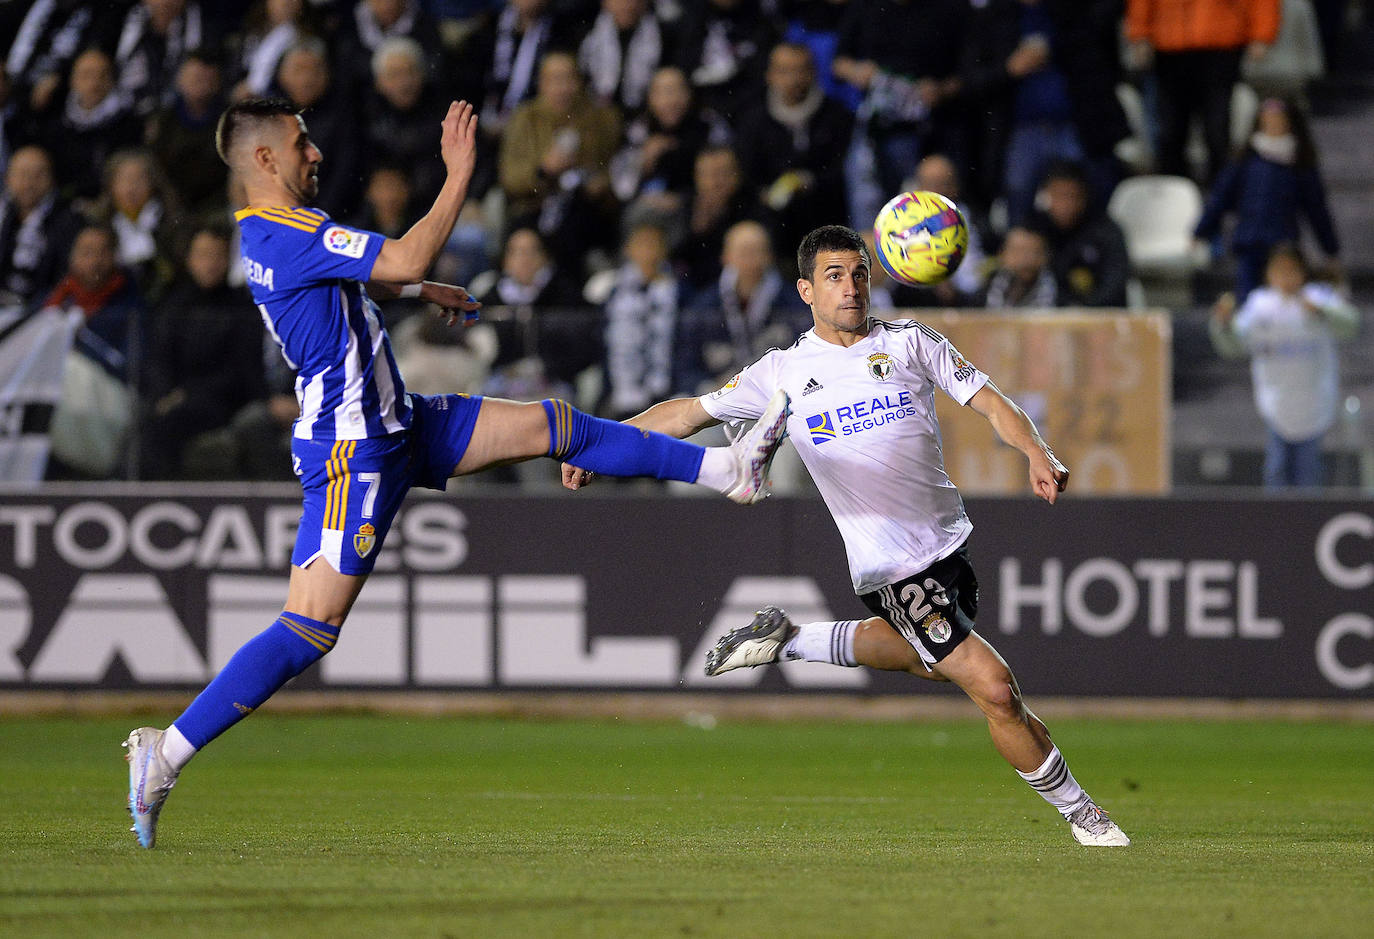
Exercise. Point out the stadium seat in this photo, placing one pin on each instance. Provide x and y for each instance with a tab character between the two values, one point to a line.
1157	214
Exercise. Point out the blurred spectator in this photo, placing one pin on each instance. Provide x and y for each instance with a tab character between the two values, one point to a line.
500	59
182	136
1022	278
372	22
621	52
1294	60
722	49
1273	182
91	424
1087	249
269	28
36	228
205	359
145	218
903	55
51	35
1195	50
816	25
93	122
794	145
544	337
1042	76
499	72
652	171
398	115
642	314
750	309
1289	327
937	173
387	202
720	199
12	131
305	78
553	163
154	40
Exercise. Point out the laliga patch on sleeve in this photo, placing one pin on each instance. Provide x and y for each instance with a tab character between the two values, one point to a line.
351	244
729	386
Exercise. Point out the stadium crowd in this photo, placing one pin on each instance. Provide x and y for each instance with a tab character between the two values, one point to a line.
646	170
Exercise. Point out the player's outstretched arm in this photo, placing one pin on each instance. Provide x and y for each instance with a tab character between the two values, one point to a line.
678	417
407	259
450	299
1048	476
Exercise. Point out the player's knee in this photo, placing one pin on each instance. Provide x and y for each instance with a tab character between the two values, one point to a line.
999	697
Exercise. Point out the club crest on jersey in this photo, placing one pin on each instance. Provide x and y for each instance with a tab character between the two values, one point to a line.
351	244
880	366
937	628
365	540
821	427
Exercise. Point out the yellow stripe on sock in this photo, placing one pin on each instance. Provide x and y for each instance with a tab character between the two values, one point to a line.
327	638
300	631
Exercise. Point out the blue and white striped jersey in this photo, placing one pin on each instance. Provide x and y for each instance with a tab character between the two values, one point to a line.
306	275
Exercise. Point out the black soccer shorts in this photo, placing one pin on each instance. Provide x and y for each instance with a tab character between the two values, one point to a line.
933	610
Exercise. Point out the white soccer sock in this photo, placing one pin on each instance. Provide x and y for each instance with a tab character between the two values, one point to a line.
176	749
823	642
1056	784
719	470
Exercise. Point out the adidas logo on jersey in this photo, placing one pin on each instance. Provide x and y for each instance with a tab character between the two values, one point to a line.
811	385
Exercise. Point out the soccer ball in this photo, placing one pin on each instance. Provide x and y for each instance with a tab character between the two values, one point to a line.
920	238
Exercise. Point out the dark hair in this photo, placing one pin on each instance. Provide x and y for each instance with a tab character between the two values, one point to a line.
1306	156
1062	170
828	238
246	113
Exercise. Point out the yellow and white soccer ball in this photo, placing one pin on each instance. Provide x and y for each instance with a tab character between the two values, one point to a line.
920	238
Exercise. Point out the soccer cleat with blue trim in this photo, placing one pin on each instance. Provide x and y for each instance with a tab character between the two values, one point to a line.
754	451
151	777
1091	826
756	644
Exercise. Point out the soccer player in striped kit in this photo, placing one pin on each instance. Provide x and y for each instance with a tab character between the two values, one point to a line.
863	422
361	441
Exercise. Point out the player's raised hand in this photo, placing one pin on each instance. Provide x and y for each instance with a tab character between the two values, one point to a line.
458	140
575	477
452	301
1048	476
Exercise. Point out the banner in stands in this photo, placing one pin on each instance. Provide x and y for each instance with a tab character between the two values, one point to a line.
155	588
1097	385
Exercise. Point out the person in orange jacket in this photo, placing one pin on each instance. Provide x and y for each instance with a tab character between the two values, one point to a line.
1195	48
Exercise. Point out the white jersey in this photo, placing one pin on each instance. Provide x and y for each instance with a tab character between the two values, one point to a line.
863	422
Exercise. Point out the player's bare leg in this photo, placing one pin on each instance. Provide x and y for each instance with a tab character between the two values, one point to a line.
973	665
1018	735
322	593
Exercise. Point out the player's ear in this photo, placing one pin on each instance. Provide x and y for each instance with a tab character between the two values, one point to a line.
263	158
804	289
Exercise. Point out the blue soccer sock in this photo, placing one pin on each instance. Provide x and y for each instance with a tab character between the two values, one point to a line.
616	449
264	663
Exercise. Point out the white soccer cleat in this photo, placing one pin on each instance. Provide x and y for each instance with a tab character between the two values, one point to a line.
1091	826
756	644
754	451
151	777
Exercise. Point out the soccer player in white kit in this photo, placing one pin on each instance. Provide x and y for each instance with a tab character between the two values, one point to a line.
863	421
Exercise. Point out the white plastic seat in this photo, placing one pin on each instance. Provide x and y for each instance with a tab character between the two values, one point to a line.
1157	214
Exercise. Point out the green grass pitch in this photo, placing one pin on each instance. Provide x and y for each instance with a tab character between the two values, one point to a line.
399	826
